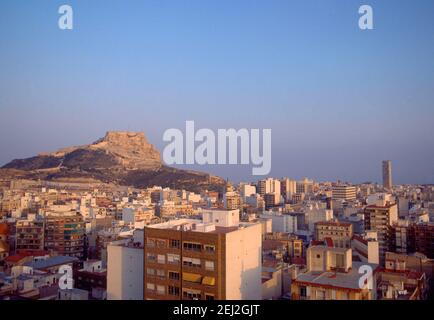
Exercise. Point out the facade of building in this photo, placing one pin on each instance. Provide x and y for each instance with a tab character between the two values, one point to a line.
340	232
332	275
424	239
231	200
4	246
214	258
380	219
92	277
305	186
29	235
365	247
268	186
64	234
125	271
344	192
271	200
288	188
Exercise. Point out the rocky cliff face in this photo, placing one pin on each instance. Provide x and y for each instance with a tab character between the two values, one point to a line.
125	158
121	149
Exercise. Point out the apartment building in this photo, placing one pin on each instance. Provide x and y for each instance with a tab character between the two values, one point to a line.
231	200
332	275
305	186
271	200
217	257
268	186
340	232
64	233
344	192
4	246
29	235
294	245
92	278
403	278
424	238
403	236
365	248
288	188
381	219
125	268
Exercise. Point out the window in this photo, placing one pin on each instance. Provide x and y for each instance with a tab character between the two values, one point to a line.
192	295
209	265
209	248
173	291
175	243
173	258
161	273
209	296
152	257
192	246
150	271
150	286
150	243
173	275
161	289
191	262
161	258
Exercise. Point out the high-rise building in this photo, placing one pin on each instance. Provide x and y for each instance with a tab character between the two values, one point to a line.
344	192
29	235
125	268
403	237
269	185
387	174
288	188
305	186
231	200
271	200
424	239
247	190
217	257
64	233
381	219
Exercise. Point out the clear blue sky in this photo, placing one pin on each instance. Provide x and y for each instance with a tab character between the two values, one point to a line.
338	100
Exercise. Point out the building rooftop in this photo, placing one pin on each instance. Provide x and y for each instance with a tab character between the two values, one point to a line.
374	206
50	262
196	225
333	223
332	279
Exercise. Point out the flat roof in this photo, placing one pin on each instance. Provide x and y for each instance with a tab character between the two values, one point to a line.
348	280
175	224
50	262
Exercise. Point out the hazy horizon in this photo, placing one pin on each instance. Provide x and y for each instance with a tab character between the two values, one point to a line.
339	100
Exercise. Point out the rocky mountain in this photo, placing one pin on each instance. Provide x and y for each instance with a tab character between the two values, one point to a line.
124	158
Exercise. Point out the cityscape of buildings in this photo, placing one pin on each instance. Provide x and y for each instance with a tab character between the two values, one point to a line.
272	239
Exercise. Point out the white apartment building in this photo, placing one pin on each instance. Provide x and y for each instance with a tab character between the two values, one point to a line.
281	222
125	269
